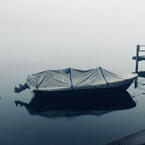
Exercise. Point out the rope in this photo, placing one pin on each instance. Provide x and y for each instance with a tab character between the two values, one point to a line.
70	78
68	70
104	77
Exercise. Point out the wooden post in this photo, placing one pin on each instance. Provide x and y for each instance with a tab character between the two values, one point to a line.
137	54
136	83
136	68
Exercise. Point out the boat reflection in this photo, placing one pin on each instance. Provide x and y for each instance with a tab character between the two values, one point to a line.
69	106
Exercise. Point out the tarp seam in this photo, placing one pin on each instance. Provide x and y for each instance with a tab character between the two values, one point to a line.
42	80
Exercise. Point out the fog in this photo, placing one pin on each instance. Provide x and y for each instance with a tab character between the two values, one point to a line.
80	33
38	35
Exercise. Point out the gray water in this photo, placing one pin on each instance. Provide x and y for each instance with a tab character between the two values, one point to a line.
18	126
40	35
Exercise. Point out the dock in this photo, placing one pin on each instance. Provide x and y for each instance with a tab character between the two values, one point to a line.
134	139
138	57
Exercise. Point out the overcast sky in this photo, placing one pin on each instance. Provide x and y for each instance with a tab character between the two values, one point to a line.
76	33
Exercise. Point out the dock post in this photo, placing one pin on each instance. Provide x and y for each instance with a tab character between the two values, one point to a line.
136	68
137	54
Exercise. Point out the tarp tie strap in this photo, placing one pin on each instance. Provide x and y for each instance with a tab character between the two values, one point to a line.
104	77
70	78
38	85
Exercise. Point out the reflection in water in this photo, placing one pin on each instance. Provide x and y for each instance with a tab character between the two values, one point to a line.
138	83
141	74
68	106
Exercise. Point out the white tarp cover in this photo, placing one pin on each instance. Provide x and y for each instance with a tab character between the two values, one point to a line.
68	79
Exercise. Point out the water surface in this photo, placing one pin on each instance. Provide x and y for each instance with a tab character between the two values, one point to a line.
21	126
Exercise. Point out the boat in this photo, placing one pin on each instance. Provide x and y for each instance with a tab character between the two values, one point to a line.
56	106
71	80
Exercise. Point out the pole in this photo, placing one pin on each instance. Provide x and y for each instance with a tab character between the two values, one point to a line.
137	54
136	69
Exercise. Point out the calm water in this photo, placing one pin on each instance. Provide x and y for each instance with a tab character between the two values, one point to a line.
23	127
36	35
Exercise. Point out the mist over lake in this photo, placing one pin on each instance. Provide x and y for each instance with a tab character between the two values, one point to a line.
43	35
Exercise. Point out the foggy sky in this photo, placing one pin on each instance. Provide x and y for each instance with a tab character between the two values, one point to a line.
77	33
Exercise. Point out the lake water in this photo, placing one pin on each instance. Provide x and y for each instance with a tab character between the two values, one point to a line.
18	126
38	35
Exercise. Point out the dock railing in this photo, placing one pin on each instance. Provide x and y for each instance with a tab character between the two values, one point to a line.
138	57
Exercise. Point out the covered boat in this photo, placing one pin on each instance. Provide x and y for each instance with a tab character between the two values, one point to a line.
74	80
